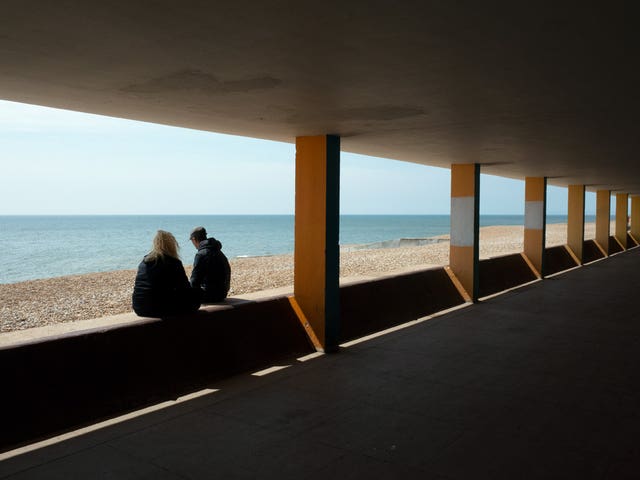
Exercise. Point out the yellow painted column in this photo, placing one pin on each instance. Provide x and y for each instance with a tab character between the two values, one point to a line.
465	220
575	220
635	217
316	252
535	207
622	213
603	219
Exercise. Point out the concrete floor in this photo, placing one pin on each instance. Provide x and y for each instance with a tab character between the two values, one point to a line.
541	382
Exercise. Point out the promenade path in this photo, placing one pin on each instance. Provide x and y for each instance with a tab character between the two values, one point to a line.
541	382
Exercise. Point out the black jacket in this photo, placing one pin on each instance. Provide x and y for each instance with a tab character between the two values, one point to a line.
162	289
211	271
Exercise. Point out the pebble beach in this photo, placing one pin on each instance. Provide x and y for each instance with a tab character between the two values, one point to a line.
51	301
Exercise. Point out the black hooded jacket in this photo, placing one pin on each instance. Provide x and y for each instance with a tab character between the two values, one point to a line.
211	271
162	289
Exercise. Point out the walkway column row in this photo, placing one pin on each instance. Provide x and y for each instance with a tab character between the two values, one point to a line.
316	252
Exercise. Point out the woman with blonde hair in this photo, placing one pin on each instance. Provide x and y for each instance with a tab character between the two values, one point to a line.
162	288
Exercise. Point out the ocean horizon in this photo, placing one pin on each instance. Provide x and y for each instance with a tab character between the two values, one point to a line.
43	246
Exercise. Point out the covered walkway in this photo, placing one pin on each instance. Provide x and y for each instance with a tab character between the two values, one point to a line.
541	382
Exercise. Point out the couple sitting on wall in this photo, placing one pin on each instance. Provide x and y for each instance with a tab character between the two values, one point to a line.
162	287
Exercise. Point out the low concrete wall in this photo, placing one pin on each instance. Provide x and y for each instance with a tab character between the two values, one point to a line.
376	305
591	252
501	273
614	246
558	259
61	383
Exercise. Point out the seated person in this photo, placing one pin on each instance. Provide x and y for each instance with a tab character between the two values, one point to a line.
211	270
162	288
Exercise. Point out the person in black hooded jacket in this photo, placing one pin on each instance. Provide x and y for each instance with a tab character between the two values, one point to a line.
211	270
161	287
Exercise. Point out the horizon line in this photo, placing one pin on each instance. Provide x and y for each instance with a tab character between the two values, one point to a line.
247	214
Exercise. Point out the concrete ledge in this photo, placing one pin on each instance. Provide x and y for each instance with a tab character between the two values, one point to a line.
558	259
591	252
502	273
55	384
376	305
614	246
51	332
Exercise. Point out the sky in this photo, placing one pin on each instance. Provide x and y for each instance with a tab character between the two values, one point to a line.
58	162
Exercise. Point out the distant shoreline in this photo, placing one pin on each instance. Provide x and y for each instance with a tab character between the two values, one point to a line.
54	246
380	245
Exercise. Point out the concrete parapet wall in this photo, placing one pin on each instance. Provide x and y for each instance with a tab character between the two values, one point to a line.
376	305
558	259
591	252
501	273
614	245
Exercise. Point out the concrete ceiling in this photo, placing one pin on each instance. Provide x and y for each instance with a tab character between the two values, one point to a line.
524	88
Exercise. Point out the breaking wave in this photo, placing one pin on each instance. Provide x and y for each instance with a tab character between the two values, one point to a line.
395	243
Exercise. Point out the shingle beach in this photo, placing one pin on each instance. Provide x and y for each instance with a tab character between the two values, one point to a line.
50	301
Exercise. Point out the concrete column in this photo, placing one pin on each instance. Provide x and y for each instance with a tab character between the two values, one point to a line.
635	217
575	221
465	221
603	219
316	252
535	221
622	212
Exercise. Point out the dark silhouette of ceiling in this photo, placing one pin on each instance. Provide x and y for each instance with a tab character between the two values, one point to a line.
524	88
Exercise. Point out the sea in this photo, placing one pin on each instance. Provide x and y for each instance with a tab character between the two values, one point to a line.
34	247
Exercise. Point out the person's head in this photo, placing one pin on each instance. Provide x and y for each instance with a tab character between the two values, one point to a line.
198	234
164	243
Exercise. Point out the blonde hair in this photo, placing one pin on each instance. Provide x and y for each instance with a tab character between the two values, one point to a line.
164	243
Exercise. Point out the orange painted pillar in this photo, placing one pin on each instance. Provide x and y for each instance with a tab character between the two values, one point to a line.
316	251
465	221
635	217
535	221
603	219
622	214
575	220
